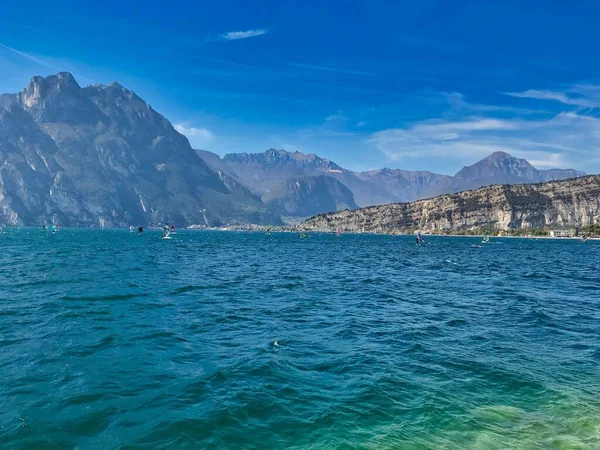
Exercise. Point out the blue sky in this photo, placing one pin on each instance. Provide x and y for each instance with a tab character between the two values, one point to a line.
430	85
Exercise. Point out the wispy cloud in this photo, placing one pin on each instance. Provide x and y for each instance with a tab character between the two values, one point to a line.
337	117
579	95
236	35
332	69
199	137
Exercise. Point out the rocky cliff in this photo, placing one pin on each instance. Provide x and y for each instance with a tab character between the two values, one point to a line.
573	202
100	155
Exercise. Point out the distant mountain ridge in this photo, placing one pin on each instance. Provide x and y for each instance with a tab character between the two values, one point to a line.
261	171
309	195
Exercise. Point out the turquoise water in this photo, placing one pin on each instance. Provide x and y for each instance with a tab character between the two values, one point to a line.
227	340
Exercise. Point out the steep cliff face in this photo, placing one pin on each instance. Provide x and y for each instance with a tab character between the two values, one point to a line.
101	155
574	202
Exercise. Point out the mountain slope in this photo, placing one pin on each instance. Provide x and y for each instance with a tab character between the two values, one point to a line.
261	171
100	155
573	202
306	196
405	185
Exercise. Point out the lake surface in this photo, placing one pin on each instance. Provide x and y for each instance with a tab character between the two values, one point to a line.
231	340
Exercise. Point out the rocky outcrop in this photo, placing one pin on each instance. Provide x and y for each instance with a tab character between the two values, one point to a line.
573	202
100	155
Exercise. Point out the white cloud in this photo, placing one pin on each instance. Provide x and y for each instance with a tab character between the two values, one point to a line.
235	35
199	137
566	140
579	95
336	118
474	124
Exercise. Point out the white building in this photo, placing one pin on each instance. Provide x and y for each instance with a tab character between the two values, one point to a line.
561	233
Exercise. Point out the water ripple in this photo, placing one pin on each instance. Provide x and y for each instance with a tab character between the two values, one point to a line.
229	340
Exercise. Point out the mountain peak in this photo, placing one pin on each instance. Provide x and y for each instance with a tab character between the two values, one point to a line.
498	168
66	79
499	155
59	81
40	88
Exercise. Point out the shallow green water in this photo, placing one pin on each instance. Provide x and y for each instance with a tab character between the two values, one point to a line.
230	340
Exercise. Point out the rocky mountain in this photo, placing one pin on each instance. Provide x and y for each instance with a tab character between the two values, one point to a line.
406	185
291	184
306	196
262	171
100	155
501	168
573	202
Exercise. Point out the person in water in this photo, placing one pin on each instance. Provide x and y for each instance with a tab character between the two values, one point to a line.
140	230
172	228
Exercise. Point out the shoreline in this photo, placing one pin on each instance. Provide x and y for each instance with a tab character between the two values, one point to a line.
279	229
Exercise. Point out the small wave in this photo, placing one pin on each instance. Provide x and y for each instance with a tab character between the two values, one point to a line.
589	288
83	399
416	348
188	288
102	297
456	322
536	275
